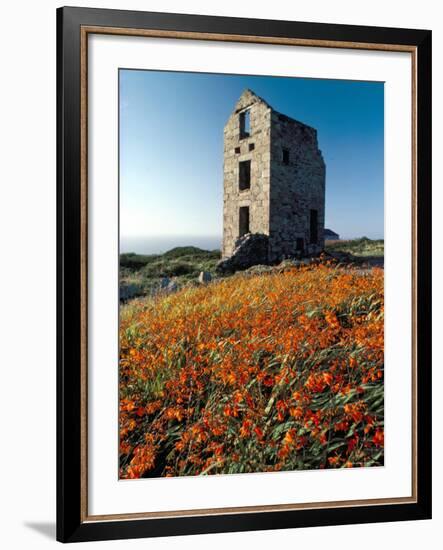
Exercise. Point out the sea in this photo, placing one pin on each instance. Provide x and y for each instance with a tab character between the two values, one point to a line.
161	244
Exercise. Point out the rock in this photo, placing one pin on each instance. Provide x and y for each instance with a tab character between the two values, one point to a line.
204	277
171	287
251	249
166	286
260	269
130	290
165	282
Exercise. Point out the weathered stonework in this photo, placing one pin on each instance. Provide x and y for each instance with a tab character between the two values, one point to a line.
251	249
280	192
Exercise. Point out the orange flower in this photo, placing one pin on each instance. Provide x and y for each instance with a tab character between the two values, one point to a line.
258	432
354	410
379	437
342	426
290	436
352	362
296	412
245	430
352	443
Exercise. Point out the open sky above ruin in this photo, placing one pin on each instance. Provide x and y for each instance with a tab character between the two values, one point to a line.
171	152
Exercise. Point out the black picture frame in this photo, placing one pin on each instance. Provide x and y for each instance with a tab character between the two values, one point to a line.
71	523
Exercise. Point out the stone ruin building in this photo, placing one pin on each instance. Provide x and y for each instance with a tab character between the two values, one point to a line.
274	186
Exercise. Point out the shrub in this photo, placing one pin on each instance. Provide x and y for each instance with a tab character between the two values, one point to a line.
193	251
136	261
358	247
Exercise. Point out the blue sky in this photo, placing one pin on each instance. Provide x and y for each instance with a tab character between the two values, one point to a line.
171	152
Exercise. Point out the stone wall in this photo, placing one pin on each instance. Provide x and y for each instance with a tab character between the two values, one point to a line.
297	187
256	148
284	187
251	249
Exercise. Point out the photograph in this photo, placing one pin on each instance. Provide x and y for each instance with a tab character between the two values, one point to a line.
251	274
218	246
244	254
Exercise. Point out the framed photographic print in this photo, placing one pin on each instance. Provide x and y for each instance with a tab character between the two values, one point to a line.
244	274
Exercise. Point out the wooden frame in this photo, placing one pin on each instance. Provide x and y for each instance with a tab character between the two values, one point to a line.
73	26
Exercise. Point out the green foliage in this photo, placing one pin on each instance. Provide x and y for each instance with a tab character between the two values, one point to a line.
191	251
144	272
363	247
131	260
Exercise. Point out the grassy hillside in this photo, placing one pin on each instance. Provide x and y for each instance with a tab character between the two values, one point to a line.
281	371
143	273
359	248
